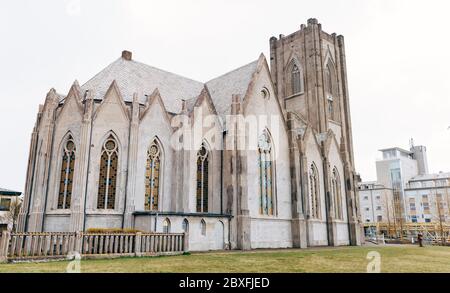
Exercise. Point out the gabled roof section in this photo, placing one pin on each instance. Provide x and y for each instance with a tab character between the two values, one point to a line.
232	83
134	77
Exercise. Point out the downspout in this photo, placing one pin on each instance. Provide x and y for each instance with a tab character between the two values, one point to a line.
49	170
347	190
221	173
89	163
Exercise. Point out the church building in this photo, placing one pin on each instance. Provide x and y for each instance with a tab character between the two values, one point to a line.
140	148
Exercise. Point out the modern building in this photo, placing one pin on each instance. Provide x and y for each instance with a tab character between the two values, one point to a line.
428	198
376	202
405	192
8	199
112	153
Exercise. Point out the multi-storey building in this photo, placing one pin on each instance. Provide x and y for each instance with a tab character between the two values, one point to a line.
404	191
8	199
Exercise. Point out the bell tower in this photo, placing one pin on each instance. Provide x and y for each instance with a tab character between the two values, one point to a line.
308	68
309	72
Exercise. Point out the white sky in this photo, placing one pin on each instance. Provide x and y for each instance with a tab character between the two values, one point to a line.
397	58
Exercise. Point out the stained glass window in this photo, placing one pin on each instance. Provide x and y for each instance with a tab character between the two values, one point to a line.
202	179
314	192
67	170
108	175
336	191
265	175
152	176
296	81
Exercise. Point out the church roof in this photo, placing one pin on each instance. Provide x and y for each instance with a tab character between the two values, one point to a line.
232	83
134	77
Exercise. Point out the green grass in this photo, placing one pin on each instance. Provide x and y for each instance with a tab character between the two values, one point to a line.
394	259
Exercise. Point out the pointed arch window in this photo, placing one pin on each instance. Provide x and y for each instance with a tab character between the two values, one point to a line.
185	226
202	179
336	191
152	176
330	107
265	163
67	171
203	227
296	80
314	192
329	77
166	226
108	175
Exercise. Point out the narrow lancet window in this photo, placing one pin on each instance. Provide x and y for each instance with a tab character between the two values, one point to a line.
152	177
108	175
67	171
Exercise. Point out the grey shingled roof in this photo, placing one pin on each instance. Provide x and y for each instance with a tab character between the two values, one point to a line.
134	77
232	83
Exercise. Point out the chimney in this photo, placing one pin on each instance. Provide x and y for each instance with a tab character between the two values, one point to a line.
127	55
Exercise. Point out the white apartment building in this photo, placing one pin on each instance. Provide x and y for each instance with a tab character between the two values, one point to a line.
404	190
428	198
7	200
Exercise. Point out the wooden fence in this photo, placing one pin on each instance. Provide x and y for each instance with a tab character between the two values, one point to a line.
36	246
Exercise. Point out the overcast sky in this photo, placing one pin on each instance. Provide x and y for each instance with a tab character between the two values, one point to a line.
397	58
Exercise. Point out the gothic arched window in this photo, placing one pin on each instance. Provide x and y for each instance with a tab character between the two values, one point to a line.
330	107
265	163
329	77
152	176
108	175
314	191
336	191
203	227
166	226
185	226
67	170
296	80
202	179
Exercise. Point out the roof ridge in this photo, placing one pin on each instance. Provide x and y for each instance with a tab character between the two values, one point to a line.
234	70
165	71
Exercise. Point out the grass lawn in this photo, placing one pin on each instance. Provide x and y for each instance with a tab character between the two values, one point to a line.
345	259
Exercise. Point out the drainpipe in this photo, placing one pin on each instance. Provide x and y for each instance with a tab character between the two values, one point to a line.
221	172
156	222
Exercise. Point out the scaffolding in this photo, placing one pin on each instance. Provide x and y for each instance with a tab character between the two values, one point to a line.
433	233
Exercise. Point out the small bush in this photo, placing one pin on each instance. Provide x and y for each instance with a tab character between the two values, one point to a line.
111	231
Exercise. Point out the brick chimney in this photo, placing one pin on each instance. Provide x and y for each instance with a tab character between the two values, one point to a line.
127	55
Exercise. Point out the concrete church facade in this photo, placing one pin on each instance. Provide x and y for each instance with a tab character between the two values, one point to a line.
105	155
